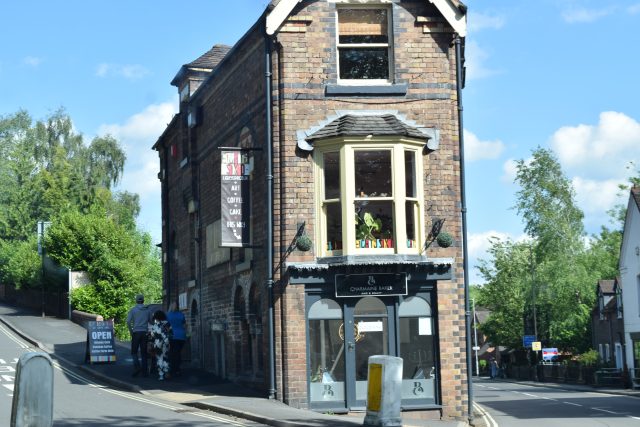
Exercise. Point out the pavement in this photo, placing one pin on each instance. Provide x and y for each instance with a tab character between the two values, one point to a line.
65	341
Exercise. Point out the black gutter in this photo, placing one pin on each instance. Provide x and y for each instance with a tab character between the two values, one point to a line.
463	209
269	144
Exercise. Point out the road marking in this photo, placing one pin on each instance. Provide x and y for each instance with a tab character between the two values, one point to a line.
9	386
530	395
145	400
12	337
571	403
489	421
608	412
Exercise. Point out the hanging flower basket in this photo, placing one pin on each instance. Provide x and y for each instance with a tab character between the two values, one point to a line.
444	239
304	243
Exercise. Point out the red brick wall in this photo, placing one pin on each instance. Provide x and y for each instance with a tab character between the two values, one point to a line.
234	99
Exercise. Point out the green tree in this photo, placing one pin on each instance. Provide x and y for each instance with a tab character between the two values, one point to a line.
20	263
505	291
120	263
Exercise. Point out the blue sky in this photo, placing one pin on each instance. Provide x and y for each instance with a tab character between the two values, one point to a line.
559	74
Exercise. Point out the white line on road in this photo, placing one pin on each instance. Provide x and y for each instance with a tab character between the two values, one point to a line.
608	412
530	395
489	421
145	400
12	336
571	403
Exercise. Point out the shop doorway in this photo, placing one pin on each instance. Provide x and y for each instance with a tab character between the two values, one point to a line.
343	333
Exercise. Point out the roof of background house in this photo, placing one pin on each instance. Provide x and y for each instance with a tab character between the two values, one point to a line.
607	286
357	125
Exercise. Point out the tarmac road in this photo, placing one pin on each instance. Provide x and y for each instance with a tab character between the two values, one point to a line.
511	404
80	401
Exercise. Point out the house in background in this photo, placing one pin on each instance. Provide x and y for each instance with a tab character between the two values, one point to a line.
607	324
630	279
304	182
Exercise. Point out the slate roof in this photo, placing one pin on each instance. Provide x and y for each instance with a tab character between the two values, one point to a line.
211	58
360	125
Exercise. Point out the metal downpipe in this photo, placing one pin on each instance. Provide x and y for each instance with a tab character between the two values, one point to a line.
268	142
463	209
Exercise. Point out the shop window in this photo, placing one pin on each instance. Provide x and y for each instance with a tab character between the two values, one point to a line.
371	198
326	352
364	49
417	349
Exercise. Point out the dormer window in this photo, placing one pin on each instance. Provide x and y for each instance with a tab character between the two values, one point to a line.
364	45
184	92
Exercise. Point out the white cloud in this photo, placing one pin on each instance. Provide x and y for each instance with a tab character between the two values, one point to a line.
476	58
580	15
634	9
129	72
480	21
137	135
475	149
32	61
599	151
145	126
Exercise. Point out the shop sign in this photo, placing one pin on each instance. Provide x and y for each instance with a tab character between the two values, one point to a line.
377	284
100	342
235	201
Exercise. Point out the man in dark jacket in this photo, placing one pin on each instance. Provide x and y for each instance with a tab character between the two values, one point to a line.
138	323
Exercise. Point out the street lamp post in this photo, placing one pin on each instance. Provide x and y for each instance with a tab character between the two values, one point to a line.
42	227
475	334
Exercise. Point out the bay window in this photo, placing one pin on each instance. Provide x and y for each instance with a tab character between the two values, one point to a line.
370	196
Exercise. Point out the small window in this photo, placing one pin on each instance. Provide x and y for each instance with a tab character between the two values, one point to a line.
363	44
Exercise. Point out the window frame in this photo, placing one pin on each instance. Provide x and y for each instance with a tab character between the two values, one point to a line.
347	147
389	45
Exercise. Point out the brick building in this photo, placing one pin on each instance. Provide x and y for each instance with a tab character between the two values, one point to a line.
304	182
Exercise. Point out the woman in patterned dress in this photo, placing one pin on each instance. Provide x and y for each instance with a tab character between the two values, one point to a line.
160	333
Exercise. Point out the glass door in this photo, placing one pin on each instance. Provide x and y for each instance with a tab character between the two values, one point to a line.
367	333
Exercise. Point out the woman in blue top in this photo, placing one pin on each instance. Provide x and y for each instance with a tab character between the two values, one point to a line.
178	324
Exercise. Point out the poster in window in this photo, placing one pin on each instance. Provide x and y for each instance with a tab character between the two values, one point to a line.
235	198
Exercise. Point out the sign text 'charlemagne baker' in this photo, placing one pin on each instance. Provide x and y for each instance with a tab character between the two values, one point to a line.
235	203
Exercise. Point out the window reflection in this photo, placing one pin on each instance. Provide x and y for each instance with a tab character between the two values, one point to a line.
326	352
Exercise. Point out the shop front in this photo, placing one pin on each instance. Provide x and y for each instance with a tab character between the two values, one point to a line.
356	312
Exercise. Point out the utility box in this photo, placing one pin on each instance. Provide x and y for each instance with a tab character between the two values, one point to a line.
384	392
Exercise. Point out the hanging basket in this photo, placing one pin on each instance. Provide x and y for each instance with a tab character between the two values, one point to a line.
444	239
304	243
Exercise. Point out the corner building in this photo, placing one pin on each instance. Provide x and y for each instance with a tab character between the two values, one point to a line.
342	120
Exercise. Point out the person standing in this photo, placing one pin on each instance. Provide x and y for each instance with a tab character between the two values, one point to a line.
178	326
138	323
160	333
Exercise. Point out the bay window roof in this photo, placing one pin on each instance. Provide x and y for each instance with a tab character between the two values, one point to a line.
362	125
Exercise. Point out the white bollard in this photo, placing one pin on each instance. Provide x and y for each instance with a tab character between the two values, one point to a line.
33	392
384	392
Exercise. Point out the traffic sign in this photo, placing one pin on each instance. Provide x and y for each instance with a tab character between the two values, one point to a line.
527	340
536	346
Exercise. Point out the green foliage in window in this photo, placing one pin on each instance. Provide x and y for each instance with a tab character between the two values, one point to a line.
366	226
